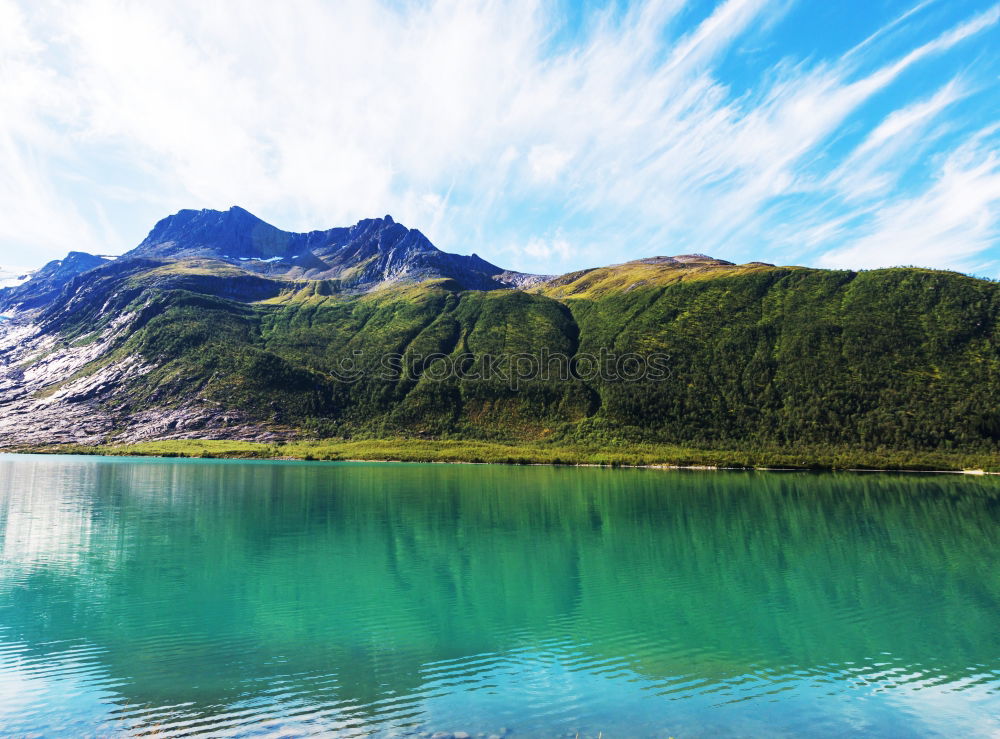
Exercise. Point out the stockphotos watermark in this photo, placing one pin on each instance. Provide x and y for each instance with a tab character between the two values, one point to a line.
513	370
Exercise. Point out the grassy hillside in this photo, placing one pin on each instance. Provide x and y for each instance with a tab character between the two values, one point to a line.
755	357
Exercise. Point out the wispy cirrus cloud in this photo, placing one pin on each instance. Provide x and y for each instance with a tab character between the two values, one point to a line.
508	128
951	223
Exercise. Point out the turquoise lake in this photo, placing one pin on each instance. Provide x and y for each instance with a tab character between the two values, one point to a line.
172	598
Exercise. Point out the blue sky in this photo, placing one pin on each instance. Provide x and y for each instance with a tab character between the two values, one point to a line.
544	136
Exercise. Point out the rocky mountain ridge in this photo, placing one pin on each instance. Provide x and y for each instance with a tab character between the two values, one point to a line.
373	253
45	284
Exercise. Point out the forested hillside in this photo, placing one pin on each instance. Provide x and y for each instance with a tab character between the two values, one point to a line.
724	356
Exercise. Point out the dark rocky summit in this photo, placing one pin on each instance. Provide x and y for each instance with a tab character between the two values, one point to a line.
373	252
232	234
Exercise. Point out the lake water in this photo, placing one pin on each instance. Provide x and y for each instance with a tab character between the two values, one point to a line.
167	598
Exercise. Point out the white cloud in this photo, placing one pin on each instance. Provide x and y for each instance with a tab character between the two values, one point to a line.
872	168
547	162
470	121
947	225
555	249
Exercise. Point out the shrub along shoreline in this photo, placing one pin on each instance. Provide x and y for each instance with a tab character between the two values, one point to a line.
488	452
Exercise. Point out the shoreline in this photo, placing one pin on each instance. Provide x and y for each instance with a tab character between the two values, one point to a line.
637	456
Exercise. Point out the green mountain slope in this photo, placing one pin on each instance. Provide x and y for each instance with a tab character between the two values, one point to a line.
732	356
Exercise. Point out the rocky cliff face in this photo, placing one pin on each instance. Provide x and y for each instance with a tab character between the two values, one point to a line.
53	391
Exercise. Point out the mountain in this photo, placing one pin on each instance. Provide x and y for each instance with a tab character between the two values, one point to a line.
14	277
372	252
47	283
221	326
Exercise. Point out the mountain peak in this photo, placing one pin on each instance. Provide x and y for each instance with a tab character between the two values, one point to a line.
239	234
234	233
373	251
45	284
682	259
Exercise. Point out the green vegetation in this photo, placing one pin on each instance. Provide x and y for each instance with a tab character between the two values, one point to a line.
483	452
790	366
596	283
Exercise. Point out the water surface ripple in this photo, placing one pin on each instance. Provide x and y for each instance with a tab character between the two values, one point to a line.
211	598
